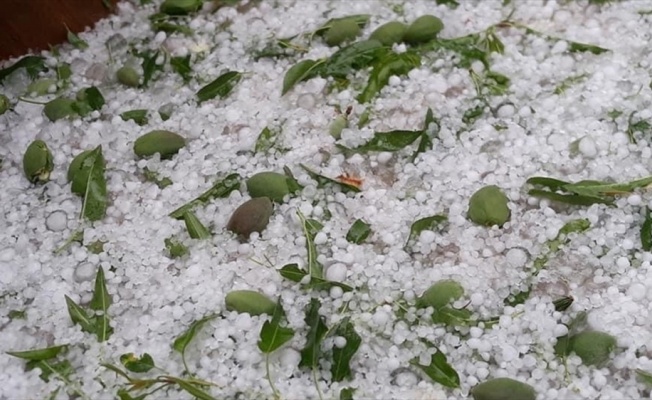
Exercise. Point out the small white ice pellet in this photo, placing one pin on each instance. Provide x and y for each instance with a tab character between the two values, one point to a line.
634	200
587	147
336	272
384	157
339	342
637	291
622	262
57	221
84	272
516	257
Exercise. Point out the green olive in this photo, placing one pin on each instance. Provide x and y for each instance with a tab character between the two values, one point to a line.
423	29
488	207
341	31
249	301
593	347
38	162
180	7
163	142
503	389
77	174
389	33
252	216
128	76
337	126
268	184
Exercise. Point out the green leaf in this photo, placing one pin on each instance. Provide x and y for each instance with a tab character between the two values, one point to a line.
645	377
175	248
569	198
358	232
562	303
293	184
317	329
136	364
423	224
92	97
646	231
95	197
352	58
39	354
272	335
33	65
389	141
518	298
576	47
292	272
101	301
221	86
471	115
392	64
550	183
310	229
347	393
220	189
439	370
451	3
324	180
452	316
266	140
191	388
149	66
152	176
62	369
79	316
299	72
320	284
195	228
138	116
63	72
591	188
340	368
181	65
75	40
182	341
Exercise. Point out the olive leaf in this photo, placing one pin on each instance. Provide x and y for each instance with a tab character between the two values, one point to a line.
563	303
324	180
392	64
267	139
585	192
423	224
62	369
221	86
388	141
79	316
358	232
340	368
192	389
292	272
182	341
175	248
181	65
360	19
195	228
39	354
310	229
149	66
646	231
347	393
75	40
317	330
272	334
425	142
301	71
439	370
220	189
645	377
352	58
101	301
161	22
138	116
33	65
95	197
577	47
137	364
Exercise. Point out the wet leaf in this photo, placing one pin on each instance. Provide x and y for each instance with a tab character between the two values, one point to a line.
299	72
292	272
392	64
360	19
439	370
33	65
324	180
39	354
646	231
195	228
340	368
62	369
182	341
310	229
175	248
220	189
267	140
347	393
101	301
95	197
92	97
645	377
138	116
389	141
358	232
137	364
352	58
562	303
423	224
572	199
181	65
221	86
272	335
75	40
317	329
79	316
576	47
149	66
194	390
452	316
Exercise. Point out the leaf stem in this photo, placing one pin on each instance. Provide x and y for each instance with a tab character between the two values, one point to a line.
65	380
269	378
314	378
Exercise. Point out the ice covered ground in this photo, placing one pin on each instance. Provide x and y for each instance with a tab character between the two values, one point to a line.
570	115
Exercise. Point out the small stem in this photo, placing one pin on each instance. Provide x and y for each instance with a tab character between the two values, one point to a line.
185	365
269	378
65	380
314	378
31	101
